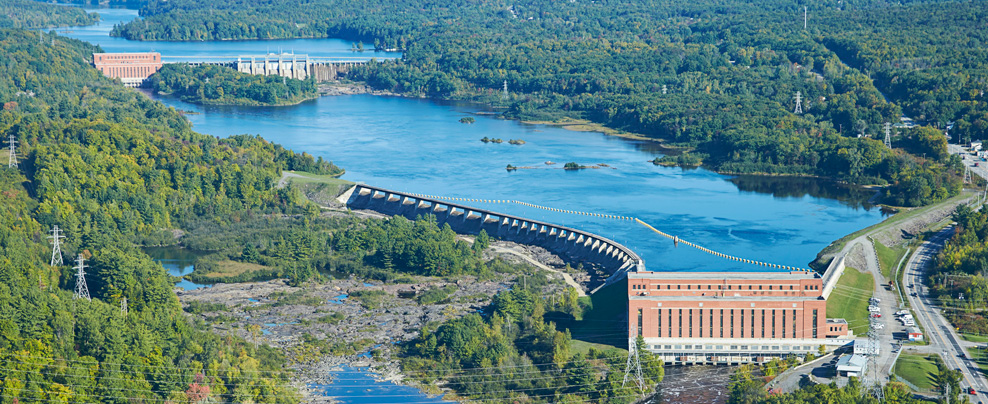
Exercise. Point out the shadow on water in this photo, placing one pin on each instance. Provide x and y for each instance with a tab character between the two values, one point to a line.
178	262
799	187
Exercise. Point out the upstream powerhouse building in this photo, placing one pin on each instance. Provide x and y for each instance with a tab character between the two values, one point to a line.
731	317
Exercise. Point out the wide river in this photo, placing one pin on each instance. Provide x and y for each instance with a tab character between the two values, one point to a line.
419	146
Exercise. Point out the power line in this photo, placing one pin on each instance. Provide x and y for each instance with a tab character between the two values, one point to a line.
12	146
56	250
81	290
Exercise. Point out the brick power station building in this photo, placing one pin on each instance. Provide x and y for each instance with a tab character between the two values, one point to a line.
731	317
131	68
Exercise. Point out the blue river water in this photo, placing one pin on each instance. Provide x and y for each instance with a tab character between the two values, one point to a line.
99	34
419	146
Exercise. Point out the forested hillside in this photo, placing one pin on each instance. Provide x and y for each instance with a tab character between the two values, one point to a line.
220	85
33	14
931	59
116	170
717	77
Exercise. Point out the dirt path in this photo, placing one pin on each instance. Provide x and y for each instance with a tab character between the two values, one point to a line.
516	251
285	175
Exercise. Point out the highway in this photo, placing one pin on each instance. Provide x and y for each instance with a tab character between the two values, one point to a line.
941	335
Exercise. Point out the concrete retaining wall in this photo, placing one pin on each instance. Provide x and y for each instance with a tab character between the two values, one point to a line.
832	275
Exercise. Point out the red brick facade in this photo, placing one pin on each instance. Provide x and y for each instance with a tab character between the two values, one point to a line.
129	67
716	310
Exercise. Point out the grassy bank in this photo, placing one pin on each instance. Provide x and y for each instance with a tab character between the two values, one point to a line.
849	299
823	258
888	257
320	189
917	369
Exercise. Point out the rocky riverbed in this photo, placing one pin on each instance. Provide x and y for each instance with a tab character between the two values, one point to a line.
360	322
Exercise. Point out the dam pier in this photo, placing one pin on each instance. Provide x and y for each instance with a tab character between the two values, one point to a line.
572	245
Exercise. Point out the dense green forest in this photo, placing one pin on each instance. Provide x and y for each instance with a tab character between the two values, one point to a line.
219	85
33	14
718	77
305	248
960	268
932	59
512	354
116	170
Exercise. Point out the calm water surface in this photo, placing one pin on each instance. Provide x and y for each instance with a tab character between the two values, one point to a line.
182	51
419	146
177	261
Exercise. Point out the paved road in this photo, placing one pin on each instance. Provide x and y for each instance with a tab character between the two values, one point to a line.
969	160
943	339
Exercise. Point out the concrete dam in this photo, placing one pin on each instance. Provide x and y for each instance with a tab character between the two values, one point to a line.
573	246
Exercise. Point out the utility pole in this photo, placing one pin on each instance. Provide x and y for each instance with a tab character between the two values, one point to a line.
984	195
123	306
56	250
873	365
81	290
634	365
12	145
888	135
799	103
504	96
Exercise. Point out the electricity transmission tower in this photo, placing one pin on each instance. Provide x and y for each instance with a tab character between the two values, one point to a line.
665	89
56	250
123	306
504	96
634	365
12	145
874	368
967	174
888	135
799	103
81	290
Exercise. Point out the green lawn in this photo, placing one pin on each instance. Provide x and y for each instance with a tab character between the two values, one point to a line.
576	346
980	358
888	257
603	321
849	299
308	178
321	189
917	369
975	338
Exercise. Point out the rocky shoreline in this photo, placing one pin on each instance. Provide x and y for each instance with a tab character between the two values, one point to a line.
339	88
363	321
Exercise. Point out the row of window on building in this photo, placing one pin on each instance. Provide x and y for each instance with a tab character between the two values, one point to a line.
688	347
721	287
787	329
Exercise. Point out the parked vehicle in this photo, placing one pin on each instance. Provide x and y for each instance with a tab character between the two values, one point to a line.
876	315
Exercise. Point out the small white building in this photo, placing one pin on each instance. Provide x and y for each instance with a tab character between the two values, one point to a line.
863	346
914	334
976	146
852	365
